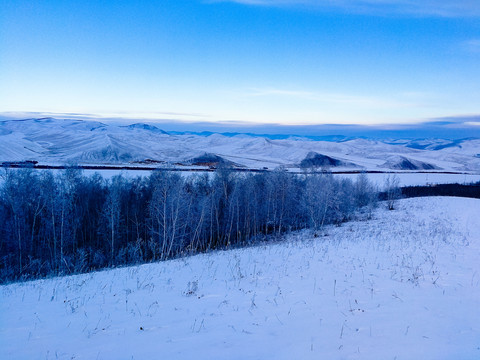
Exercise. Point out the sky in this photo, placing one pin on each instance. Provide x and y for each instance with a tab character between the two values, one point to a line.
286	62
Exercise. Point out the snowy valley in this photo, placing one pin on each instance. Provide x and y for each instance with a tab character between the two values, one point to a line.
240	180
242	262
59	142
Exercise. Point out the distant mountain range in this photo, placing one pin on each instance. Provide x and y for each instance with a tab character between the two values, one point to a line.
59	142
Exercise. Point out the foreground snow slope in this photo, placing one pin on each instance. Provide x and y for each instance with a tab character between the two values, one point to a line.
403	285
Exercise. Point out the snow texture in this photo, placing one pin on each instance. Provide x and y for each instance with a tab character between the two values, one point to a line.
404	284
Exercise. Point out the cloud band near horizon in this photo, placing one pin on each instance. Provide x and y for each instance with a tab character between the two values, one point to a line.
444	8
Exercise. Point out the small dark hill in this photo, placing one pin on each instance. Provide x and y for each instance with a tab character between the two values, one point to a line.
209	159
403	163
147	127
314	159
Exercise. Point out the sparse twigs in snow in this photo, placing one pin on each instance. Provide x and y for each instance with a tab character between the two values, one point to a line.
192	288
392	190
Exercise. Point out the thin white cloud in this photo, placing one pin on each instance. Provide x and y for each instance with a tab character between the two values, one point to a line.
473	123
444	8
472	46
333	98
138	115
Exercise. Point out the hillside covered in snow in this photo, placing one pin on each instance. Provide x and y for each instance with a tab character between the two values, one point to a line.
404	284
54	141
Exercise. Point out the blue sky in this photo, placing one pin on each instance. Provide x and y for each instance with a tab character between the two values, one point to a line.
289	62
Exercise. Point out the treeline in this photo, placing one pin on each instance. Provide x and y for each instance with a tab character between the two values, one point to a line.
70	223
459	190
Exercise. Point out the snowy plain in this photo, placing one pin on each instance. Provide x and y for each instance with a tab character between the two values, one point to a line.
403	284
412	178
378	179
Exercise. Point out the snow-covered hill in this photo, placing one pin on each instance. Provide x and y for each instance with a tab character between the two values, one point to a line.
53	141
403	285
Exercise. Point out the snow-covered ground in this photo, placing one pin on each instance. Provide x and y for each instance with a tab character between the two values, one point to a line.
416	178
402	285
378	179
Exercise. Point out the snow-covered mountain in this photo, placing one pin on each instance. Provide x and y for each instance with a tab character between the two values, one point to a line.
55	141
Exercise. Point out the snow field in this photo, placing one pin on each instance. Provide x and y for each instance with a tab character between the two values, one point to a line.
404	284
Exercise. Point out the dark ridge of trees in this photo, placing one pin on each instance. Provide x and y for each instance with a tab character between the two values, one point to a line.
458	190
470	191
69	223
